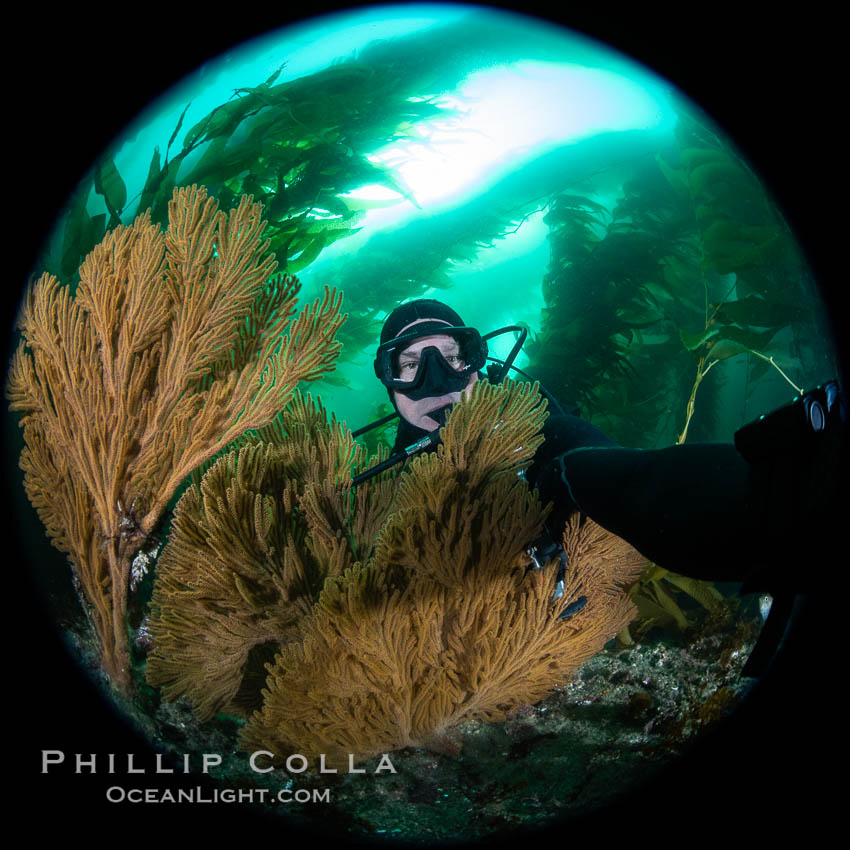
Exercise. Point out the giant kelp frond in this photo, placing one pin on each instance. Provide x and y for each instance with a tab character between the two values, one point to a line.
299	146
692	253
657	596
173	345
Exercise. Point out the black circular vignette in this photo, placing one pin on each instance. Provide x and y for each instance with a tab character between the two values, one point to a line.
74	79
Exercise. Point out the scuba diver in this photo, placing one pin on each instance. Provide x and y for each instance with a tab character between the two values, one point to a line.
739	512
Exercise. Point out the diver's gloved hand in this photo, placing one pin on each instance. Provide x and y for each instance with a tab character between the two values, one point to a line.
815	422
798	459
757	513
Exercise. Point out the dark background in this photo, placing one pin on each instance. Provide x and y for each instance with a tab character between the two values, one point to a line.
75	78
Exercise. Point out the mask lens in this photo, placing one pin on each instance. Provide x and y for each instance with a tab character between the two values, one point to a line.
399	371
407	366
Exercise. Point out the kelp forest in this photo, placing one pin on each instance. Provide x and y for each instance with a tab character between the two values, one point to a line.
685	264
226	562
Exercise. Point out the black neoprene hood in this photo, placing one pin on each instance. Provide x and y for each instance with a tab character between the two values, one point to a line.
412	311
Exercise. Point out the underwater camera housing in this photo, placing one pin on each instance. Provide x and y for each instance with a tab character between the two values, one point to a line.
800	454
786	429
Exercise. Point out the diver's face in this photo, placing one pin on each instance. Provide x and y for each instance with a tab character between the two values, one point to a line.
416	412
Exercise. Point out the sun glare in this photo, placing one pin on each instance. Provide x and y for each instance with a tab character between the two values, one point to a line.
505	113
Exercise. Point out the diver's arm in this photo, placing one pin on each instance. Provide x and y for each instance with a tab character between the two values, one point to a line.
713	511
692	509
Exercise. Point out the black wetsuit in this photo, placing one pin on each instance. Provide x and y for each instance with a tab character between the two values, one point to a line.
701	509
665	502
764	511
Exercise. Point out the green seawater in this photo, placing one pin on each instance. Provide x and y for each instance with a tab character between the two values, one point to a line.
514	169
526	176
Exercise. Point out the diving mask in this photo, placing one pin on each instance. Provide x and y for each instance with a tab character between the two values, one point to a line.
434	375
